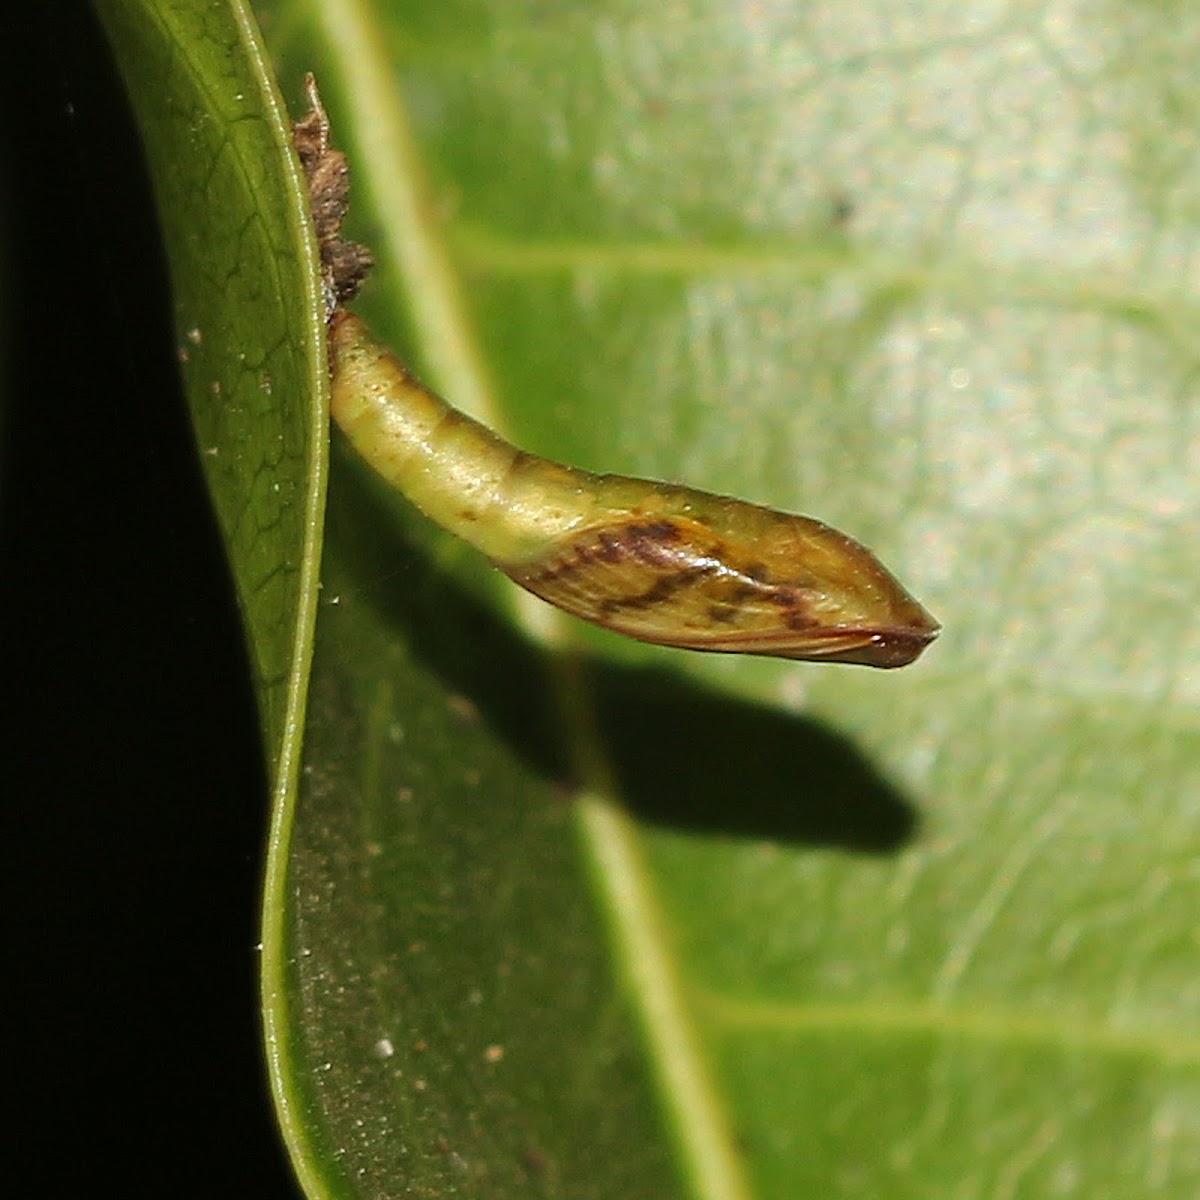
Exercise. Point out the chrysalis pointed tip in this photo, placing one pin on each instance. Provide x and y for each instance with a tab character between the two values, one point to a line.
886	648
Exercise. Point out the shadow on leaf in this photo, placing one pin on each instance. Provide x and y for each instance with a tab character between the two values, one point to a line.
692	758
685	756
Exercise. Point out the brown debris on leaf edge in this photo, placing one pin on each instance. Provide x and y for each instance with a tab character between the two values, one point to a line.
344	264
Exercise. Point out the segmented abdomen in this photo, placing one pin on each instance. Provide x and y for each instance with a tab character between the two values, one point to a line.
658	562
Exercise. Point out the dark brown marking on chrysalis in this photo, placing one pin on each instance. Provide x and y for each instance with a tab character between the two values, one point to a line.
677	565
629	550
655	531
652	569
662	591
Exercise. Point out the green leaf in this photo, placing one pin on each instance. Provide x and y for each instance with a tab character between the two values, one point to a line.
238	238
238	233
565	916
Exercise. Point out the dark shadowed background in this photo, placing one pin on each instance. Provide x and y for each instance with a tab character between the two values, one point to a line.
134	777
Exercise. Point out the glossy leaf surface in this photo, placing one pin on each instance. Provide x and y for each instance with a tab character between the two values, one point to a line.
634	923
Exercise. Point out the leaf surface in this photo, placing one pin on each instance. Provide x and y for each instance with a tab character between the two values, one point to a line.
610	921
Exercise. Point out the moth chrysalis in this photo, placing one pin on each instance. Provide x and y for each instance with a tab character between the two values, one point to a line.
655	561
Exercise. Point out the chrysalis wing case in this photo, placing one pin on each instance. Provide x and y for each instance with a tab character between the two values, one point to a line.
654	561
